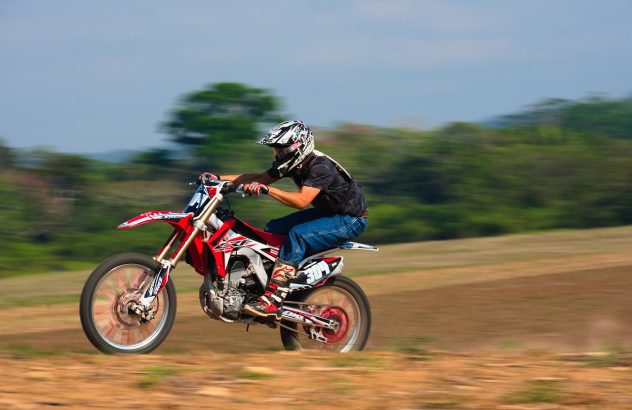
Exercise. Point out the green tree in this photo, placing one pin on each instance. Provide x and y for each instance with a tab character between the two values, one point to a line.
65	171
594	114
213	121
7	157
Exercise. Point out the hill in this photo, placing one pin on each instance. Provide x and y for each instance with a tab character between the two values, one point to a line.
511	322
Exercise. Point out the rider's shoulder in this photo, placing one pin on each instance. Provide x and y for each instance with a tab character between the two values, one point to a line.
321	166
321	160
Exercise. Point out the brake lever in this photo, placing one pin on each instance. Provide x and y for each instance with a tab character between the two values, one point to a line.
240	190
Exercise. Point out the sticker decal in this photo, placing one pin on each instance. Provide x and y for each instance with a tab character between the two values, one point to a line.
316	272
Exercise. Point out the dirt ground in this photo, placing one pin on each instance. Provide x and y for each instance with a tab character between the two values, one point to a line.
498	326
286	380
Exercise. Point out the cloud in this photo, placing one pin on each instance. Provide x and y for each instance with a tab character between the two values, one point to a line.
410	54
412	35
326	59
434	16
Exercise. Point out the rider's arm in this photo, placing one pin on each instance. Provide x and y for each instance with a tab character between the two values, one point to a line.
298	200
263	178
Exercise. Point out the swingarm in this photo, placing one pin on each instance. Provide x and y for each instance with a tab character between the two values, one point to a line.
306	318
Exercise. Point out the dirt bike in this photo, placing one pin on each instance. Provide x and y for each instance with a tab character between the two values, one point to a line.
128	303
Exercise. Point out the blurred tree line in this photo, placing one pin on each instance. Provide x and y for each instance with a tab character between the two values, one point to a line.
558	164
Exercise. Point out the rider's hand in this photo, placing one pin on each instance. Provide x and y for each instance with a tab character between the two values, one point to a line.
206	177
254	188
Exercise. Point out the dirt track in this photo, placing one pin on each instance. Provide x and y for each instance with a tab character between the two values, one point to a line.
564	312
493	334
376	380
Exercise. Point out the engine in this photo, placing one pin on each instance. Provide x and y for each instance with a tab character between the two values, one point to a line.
245	278
241	282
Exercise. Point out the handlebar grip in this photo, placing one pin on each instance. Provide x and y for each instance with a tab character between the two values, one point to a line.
230	187
263	190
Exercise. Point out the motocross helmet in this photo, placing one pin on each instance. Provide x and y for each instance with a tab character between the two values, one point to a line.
292	142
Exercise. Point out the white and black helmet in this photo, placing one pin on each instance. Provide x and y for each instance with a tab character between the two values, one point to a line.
292	142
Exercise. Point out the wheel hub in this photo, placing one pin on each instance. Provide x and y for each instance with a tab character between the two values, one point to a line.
337	315
125	311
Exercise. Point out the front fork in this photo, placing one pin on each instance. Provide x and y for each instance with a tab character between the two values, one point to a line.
143	307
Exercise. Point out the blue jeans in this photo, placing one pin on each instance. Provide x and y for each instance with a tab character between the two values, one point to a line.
310	231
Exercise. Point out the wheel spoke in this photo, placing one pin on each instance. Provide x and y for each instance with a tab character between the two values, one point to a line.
102	311
128	336
120	281
109	294
110	330
139	281
144	330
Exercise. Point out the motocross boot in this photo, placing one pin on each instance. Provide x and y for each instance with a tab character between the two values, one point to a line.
270	304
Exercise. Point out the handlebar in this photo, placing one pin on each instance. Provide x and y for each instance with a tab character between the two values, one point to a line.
229	187
240	189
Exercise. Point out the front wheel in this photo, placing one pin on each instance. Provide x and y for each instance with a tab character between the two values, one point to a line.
106	317
340	299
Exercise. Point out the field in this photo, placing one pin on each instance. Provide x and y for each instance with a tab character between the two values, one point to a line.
516	322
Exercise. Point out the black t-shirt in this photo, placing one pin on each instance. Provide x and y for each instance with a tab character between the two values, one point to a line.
337	195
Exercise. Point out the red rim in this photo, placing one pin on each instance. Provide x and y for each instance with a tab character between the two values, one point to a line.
340	316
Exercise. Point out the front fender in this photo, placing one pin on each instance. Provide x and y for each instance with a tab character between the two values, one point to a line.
172	218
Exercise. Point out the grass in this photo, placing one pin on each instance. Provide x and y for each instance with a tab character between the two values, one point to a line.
343	385
436	259
58	288
357	360
537	391
252	374
511	344
613	356
25	351
414	347
67	266
39	301
440	400
489	250
153	374
172	350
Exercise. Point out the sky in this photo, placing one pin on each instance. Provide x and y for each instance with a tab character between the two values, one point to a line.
95	76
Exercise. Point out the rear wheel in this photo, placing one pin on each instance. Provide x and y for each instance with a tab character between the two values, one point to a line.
106	316
341	300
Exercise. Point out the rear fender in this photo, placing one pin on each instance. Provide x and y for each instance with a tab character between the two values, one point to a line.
180	220
344	246
317	269
358	246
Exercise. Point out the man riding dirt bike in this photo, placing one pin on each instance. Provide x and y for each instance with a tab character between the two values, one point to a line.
280	277
339	212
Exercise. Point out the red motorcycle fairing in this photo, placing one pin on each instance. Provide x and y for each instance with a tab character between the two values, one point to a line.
180	220
268	237
182	223
234	234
